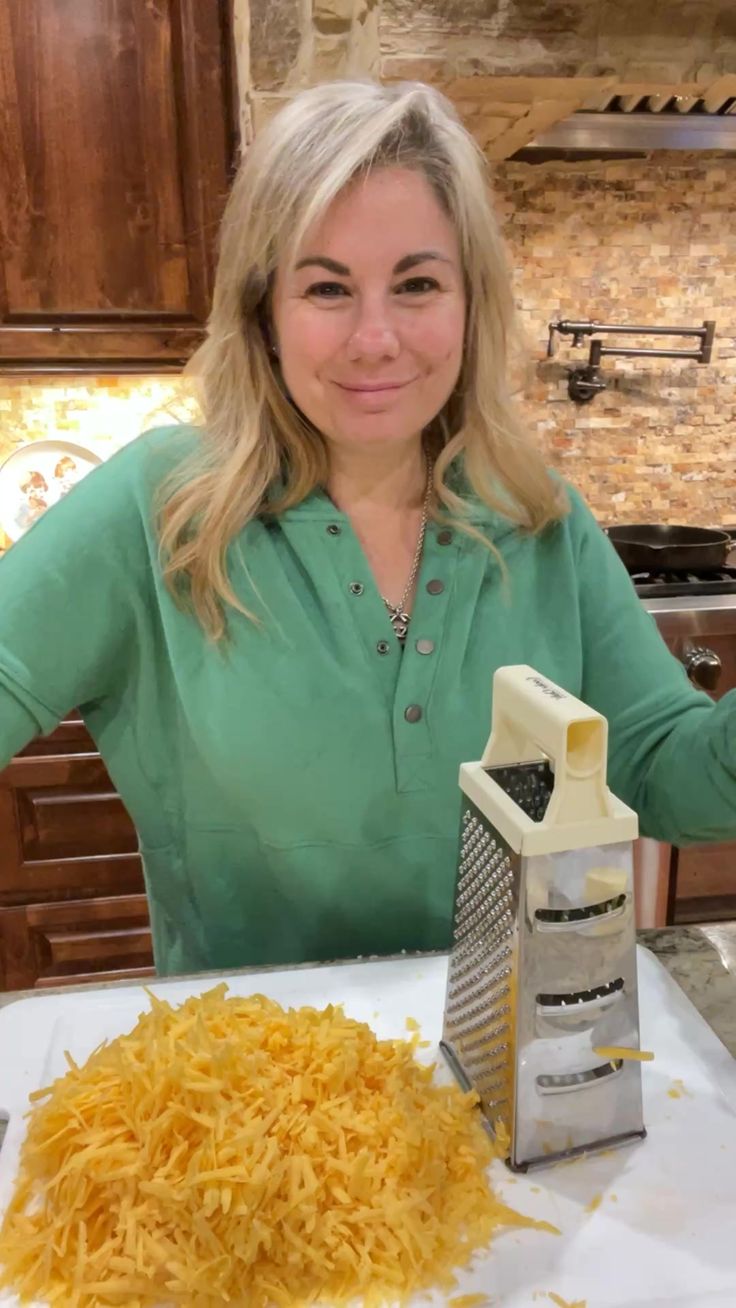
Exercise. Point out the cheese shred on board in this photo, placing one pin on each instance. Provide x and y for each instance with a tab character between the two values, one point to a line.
230	1152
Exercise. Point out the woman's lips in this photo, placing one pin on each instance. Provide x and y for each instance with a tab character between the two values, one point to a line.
373	388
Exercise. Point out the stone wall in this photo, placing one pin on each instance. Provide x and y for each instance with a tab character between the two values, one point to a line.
285	44
677	40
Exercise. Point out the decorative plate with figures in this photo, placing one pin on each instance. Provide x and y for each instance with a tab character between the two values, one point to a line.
37	475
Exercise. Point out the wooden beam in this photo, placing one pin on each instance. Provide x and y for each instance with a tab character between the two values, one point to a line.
542	115
718	92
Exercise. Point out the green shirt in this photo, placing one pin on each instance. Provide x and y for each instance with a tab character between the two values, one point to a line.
296	792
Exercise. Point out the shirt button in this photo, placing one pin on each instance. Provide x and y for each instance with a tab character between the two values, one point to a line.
333	529
435	586
356	588
413	713
383	647
425	647
444	537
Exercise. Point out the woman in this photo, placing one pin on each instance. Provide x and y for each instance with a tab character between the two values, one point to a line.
279	644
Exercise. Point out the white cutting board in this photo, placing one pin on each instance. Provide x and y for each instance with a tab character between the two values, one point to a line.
664	1233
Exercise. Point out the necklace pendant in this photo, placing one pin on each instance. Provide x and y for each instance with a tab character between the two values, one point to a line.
400	623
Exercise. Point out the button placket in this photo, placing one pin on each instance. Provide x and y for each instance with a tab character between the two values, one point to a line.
365	609
420	662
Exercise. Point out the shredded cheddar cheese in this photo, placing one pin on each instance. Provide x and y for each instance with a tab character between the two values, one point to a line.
230	1152
614	1052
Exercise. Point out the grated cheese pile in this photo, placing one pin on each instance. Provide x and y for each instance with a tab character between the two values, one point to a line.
231	1152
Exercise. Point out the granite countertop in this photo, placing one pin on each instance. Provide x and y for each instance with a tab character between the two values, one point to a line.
702	959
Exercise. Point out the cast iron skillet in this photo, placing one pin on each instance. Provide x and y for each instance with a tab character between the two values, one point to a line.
645	548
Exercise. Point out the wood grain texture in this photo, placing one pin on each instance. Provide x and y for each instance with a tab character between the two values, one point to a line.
116	119
52	944
64	833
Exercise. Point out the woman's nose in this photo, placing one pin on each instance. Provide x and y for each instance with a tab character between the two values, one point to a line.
373	335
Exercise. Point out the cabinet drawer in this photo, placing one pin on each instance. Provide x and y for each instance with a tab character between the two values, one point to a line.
706	883
64	832
58	822
70	737
73	942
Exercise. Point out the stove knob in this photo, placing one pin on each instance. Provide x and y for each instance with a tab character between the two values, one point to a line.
703	667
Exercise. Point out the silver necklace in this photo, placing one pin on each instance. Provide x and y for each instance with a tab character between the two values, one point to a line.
397	613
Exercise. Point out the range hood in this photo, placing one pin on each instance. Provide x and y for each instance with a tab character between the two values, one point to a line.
636	123
536	118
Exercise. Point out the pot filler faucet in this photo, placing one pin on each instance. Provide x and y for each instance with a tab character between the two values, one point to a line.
585	381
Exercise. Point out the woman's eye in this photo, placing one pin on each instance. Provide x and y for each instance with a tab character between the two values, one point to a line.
418	285
327	290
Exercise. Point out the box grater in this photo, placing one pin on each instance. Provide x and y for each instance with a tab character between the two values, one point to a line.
543	964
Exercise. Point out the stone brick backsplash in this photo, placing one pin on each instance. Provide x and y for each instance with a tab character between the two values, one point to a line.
644	242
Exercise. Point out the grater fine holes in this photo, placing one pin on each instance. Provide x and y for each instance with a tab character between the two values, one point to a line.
478	1009
474	1029
465	962
476	1017
489	983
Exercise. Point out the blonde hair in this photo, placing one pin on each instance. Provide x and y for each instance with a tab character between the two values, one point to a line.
252	433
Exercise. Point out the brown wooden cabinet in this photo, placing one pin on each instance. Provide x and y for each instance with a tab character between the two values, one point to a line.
118	125
72	901
80	940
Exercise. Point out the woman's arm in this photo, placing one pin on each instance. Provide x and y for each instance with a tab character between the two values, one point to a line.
672	751
72	592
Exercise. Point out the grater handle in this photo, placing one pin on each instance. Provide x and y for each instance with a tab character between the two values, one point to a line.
531	715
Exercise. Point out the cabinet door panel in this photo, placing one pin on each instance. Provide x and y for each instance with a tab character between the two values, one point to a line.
118	136
66	943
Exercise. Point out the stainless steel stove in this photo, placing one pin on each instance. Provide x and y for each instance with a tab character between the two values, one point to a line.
672	585
696	615
697	618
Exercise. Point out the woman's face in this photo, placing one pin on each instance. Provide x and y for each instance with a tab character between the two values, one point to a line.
369	323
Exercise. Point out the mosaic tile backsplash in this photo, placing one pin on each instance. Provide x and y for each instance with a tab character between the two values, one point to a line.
648	242
99	413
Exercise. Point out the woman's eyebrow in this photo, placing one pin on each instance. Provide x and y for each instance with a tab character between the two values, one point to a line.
422	256
342	270
321	261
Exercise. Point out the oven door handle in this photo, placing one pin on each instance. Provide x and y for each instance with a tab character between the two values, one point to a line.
703	667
